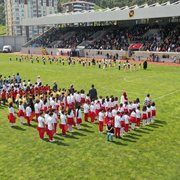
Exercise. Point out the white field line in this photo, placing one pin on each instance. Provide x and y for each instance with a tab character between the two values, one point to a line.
165	95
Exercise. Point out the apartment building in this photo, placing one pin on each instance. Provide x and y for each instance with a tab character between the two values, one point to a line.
16	10
77	6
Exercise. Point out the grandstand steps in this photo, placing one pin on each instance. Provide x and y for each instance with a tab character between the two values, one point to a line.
68	35
151	32
37	37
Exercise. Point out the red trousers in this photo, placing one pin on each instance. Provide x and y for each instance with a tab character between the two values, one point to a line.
93	115
28	120
101	124
37	115
50	133
86	116
55	127
126	127
117	132
138	121
41	132
63	127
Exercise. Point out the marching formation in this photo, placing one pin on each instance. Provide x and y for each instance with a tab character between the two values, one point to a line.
101	63
54	108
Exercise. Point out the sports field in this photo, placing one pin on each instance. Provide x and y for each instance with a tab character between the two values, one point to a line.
151	152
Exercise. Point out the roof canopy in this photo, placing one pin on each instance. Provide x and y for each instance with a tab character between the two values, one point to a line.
115	14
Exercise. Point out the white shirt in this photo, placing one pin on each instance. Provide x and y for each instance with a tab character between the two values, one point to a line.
117	121
53	104
28	111
41	104
50	123
36	108
126	119
11	110
138	113
78	98
79	114
133	114
69	100
71	115
86	108
55	118
92	108
101	116
63	119
40	122
21	107
46	118
114	112
122	99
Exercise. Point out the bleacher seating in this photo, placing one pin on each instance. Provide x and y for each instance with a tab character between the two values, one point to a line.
153	37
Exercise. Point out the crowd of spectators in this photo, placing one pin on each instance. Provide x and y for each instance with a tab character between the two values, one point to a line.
165	38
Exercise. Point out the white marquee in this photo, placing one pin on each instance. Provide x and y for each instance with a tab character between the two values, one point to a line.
145	11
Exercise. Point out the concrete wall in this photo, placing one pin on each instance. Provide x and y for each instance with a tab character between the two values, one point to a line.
138	55
162	56
15	41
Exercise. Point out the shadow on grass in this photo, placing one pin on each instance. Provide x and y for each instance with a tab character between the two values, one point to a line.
86	125
141	131
18	128
32	125
143	128
71	136
60	143
78	134
128	140
139	135
130	136
160	121
58	138
119	143
86	130
154	125
56	142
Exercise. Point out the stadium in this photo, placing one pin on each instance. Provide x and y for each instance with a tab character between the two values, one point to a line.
79	99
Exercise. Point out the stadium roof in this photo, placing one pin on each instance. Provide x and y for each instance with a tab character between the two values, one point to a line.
136	12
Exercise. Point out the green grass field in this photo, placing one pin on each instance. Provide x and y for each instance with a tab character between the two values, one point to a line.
151	152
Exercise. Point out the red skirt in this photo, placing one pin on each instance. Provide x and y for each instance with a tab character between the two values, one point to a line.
97	112
133	119
149	114
144	116
57	107
63	126
45	109
106	120
153	113
11	118
82	100
70	121
122	124
78	120
20	113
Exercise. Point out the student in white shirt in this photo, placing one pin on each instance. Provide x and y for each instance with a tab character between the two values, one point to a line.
78	117
63	124
28	114
117	125
50	125
41	126
101	120
86	111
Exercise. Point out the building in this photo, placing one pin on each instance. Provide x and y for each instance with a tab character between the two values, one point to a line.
77	6
17	10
